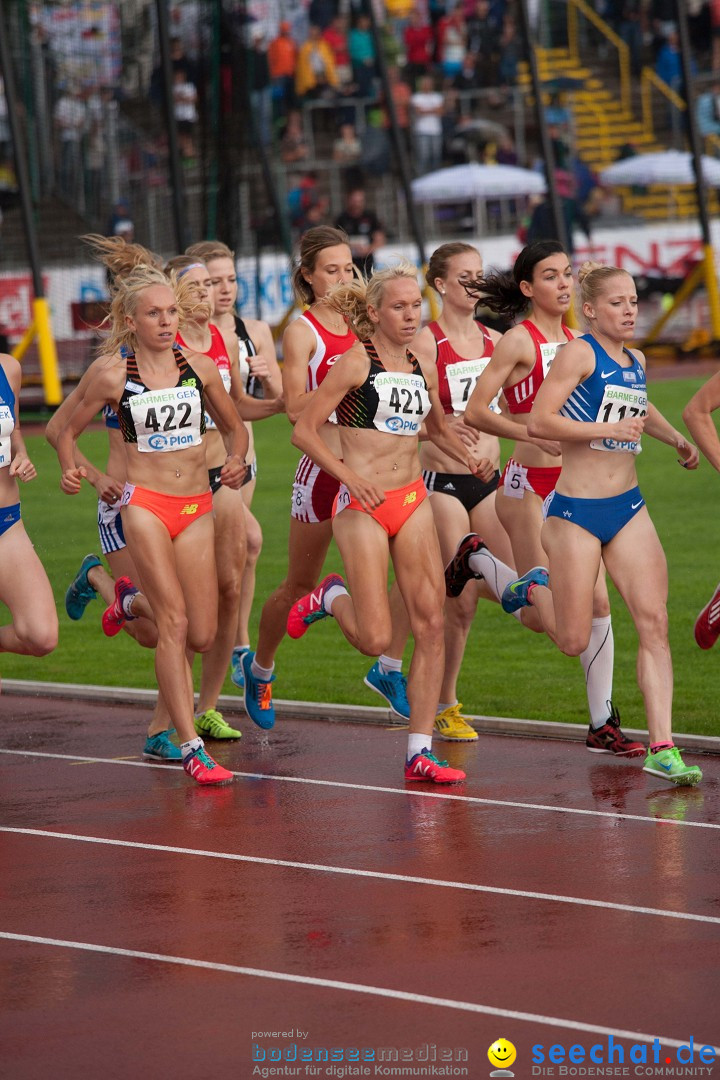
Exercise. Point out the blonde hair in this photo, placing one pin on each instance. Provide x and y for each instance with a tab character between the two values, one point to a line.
440	260
352	299
127	294
177	268
120	257
592	278
207	250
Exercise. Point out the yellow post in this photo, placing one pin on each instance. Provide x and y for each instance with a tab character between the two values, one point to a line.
25	342
711	286
48	353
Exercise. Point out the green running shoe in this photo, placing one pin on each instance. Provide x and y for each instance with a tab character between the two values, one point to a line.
213	723
80	592
670	766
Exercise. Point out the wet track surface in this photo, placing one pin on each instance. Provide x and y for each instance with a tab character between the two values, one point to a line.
554	884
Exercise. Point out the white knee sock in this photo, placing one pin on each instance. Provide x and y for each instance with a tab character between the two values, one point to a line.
495	573
597	661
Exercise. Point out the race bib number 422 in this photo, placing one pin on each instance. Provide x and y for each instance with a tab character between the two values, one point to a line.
167	419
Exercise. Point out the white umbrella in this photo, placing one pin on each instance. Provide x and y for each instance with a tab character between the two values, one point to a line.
669	167
476	181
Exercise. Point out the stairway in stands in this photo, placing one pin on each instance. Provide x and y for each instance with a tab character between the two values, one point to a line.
601	125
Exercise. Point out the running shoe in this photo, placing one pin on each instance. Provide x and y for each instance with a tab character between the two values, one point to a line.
114	617
425	766
204	770
707	624
609	739
457	571
392	686
515	595
236	672
159	748
308	609
258	694
80	591
213	723
452	726
670	766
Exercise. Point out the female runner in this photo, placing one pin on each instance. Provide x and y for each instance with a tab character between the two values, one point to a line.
127	608
311	346
594	403
697	414
381	395
542	280
260	377
158	395
461	347
24	587
199	335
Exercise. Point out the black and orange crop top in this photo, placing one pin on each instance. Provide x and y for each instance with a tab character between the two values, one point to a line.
162	420
395	402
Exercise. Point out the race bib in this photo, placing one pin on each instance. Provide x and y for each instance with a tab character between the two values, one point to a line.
167	419
515	480
618	403
403	403
548	352
7	426
461	378
226	381
243	361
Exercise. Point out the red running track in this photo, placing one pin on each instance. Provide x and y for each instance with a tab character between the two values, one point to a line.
556	898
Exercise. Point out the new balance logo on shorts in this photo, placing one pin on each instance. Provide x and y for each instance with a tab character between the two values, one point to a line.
190	508
410	498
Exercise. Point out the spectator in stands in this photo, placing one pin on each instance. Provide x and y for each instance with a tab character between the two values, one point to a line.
293	147
363	228
363	57
419	46
70	116
260	86
401	95
322	12
668	65
427	107
708	111
398	14
511	51
282	59
347	147
452	44
315	73
336	35
542	222
506	153
186	113
630	28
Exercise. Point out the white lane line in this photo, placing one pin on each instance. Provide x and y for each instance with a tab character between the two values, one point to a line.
445	795
378	875
356	988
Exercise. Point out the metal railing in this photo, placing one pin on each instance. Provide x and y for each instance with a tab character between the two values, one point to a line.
579	9
651	83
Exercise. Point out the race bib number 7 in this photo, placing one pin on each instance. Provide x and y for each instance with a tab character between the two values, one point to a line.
620	403
403	403
167	419
461	379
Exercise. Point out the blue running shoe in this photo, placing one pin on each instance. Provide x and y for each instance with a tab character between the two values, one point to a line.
159	748
236	672
393	687
258	695
515	595
81	592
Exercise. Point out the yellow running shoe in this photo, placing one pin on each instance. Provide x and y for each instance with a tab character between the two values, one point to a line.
213	723
452	726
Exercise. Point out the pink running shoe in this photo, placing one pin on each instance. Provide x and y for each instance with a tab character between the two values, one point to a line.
308	609
425	766
707	624
204	770
114	617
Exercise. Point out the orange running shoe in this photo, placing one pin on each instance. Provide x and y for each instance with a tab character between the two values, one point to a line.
201	767
308	609
425	766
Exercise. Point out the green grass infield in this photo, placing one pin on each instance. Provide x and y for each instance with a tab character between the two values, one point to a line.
507	671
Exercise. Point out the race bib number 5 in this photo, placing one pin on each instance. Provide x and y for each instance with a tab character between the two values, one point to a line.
167	419
403	403
619	403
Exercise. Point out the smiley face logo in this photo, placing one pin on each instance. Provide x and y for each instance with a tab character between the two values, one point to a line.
502	1054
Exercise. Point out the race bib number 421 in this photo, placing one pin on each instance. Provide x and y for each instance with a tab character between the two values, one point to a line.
403	403
167	419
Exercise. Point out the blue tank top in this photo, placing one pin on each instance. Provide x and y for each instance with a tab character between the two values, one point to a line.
7	418
609	394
